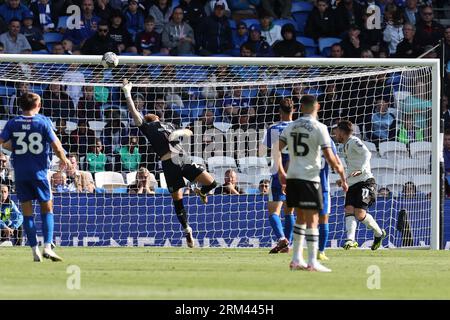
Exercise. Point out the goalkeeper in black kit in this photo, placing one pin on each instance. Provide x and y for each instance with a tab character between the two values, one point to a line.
176	164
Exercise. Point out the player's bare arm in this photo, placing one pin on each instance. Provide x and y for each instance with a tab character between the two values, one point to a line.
7	145
59	152
137	117
336	165
279	162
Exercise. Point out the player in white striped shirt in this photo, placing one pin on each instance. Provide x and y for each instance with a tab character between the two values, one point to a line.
361	193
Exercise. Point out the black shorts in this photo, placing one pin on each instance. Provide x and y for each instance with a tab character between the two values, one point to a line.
174	173
304	194
362	194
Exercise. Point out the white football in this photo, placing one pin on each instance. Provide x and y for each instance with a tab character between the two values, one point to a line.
110	60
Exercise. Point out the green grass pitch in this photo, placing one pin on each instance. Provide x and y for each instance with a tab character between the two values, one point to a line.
213	273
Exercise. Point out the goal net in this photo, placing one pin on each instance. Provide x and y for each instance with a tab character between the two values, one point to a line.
228	104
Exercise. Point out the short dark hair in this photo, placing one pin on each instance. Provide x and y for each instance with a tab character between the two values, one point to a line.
103	23
287	105
73	155
28	101
308	100
149	18
14	20
247	46
346	126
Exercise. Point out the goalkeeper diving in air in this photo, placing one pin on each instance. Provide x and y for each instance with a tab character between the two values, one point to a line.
176	164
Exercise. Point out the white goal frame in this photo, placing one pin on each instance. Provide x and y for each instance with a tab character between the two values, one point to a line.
434	64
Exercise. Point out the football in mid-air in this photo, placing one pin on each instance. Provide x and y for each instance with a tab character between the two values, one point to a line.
110	60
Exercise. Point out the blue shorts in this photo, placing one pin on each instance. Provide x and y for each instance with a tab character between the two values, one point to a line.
326	204
275	193
34	190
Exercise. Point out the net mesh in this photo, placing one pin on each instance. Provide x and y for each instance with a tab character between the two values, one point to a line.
228	107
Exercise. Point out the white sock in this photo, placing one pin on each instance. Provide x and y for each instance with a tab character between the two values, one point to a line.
299	237
35	249
370	223
48	246
350	226
312	241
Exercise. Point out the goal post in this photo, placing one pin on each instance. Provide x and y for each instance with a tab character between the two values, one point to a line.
315	75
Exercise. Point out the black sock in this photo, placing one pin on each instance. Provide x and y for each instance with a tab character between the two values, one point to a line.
181	212
206	189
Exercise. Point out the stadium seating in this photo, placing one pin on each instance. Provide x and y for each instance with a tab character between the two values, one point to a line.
54	164
2	124
310	45
109	181
97	126
249	22
393	182
393	149
325	45
222	126
256	168
245	182
162	181
301	6
410	167
219	165
300	18
52	37
198	160
420	149
131	177
71	126
333	177
422	182
282	22
372	148
400	96
382	167
62	22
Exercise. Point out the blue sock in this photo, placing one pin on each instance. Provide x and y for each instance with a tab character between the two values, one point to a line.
323	236
277	227
30	230
289	221
47	226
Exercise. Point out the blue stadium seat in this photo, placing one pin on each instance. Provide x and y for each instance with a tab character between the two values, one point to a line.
175	3
40	52
300	18
282	22
249	22
310	45
7	91
233	24
62	22
314	91
161	191
283	92
252	191
302	6
325	45
51	37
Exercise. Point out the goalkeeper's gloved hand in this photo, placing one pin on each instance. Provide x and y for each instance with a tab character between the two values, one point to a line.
126	88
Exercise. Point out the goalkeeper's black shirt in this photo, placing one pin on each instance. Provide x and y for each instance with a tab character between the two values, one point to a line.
157	133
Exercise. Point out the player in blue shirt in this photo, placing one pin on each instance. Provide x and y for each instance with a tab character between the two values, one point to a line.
277	197
324	214
29	137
